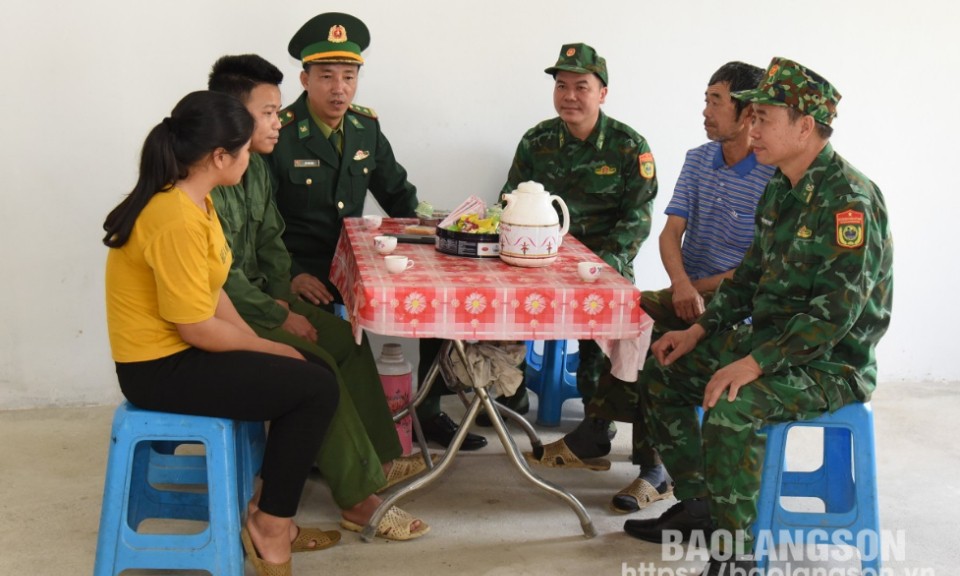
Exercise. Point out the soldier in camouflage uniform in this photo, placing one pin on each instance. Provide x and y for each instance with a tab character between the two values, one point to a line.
605	172
817	281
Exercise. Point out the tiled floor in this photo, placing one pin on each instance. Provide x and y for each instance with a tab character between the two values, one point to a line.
486	520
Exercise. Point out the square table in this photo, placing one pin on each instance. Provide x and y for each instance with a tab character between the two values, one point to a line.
457	299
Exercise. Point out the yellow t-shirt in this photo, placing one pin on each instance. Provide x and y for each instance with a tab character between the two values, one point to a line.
169	272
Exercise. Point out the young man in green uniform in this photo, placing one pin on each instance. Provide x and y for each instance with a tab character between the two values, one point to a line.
330	152
361	453
817	282
604	171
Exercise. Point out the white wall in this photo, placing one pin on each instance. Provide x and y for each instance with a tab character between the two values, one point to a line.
455	86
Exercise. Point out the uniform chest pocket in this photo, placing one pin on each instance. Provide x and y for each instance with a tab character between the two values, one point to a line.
801	264
305	184
360	173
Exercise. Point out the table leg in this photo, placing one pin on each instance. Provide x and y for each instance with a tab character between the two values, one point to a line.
513	453
410	409
520	463
513	417
370	530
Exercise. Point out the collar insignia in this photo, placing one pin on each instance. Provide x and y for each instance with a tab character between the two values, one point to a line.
303	128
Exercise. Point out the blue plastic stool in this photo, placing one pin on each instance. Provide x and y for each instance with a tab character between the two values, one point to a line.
143	476
846	482
553	377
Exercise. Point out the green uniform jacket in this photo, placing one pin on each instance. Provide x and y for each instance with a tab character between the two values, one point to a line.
260	273
316	189
818	278
608	182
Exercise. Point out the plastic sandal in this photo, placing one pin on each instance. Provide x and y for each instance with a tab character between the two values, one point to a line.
558	455
263	567
394	526
313	539
638	495
406	467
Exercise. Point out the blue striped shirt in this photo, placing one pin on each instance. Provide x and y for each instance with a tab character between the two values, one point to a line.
718	203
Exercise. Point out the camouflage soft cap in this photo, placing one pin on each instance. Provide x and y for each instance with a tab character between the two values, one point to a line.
791	84
582	59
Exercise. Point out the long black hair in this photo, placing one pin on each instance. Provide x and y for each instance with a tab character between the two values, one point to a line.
199	124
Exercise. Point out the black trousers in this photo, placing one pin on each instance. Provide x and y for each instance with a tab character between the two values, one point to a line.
298	399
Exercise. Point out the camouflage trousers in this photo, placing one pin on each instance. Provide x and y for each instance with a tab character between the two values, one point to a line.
723	461
621	401
658	304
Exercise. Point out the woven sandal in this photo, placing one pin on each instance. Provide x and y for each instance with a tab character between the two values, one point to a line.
558	455
262	567
406	467
313	539
394	526
638	495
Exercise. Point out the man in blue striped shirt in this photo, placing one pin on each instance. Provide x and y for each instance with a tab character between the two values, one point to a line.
709	228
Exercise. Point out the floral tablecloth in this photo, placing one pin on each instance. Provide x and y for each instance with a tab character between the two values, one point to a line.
479	299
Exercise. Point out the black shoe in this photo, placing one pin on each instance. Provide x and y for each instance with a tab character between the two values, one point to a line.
441	429
731	567
679	517
519	403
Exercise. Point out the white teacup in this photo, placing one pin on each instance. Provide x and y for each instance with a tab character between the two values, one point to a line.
588	271
385	244
372	221
397	264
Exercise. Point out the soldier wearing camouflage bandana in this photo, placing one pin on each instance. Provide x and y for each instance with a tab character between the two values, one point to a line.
604	171
817	281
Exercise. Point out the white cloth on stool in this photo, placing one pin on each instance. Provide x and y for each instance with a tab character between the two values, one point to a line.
628	355
492	364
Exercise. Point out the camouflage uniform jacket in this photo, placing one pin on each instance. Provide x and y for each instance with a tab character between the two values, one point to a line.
818	277
608	182
260	273
317	189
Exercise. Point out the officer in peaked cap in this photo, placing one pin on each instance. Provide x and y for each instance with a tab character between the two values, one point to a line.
604	171
325	135
330	153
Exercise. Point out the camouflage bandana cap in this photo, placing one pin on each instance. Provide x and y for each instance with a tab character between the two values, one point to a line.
582	59
790	84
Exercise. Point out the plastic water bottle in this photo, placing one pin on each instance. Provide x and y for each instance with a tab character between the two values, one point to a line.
396	376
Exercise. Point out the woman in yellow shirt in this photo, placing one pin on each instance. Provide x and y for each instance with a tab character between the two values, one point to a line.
178	343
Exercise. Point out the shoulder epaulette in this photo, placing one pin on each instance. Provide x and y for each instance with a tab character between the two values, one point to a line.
363	111
286	116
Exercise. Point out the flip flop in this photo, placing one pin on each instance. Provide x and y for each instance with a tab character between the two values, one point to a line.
262	567
313	539
638	495
406	467
394	526
558	455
